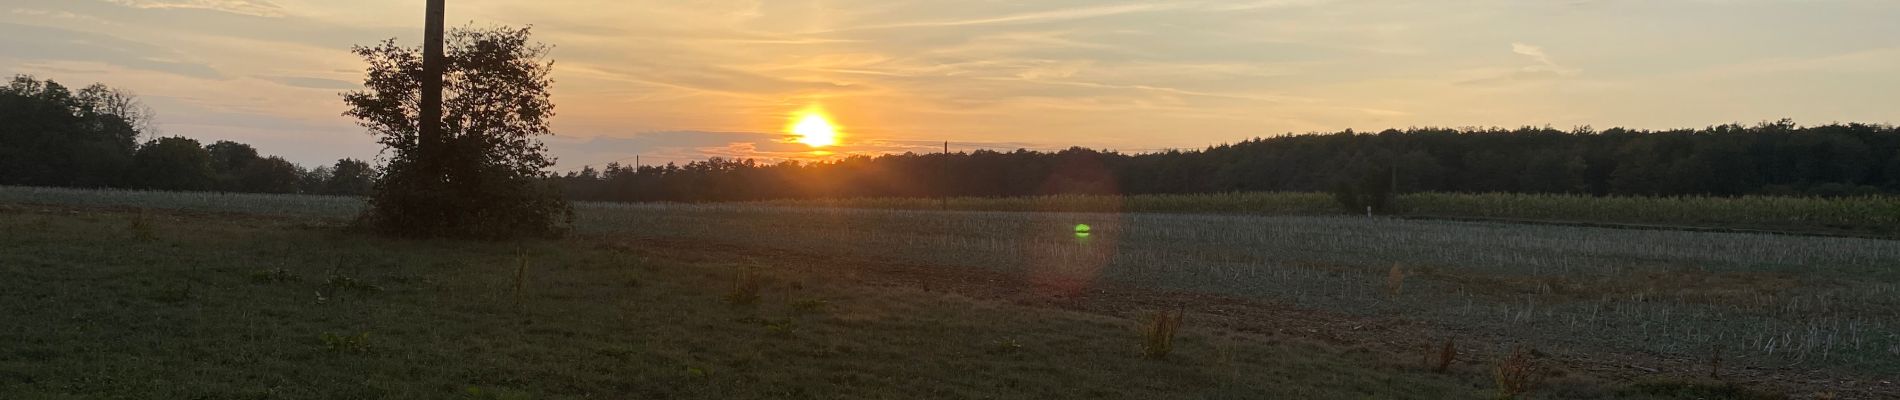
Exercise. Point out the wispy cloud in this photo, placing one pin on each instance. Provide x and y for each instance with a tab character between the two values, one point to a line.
34	43
1544	63
1029	17
35	13
257	8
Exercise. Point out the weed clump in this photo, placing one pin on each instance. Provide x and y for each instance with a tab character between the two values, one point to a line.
1005	346
1517	374
1446	354
1394	281
141	227
345	343
745	289
278	275
339	282
1158	339
810	306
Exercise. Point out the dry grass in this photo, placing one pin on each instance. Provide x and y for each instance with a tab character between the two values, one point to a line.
1394	281
521	274
1446	355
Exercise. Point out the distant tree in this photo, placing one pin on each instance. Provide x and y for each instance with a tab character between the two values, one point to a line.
1726	160
229	161
50	136
1365	185
1893	172
1554	171
350	177
173	163
485	178
270	175
315	180
1418	171
100	99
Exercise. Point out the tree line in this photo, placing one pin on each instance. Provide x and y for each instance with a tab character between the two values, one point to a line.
51	135
1363	169
54	136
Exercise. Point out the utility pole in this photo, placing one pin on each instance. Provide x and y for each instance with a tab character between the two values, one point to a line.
943	200
429	139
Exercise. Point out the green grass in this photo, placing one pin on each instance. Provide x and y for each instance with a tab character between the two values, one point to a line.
94	314
1786	299
1877	216
641	302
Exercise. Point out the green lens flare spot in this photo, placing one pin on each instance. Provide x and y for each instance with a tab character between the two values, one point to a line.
1082	230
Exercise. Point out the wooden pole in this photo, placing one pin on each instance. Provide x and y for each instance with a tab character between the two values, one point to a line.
943	199
430	134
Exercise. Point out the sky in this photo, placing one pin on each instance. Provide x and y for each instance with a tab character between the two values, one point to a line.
682	80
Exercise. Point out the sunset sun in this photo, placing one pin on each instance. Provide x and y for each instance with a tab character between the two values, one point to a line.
814	128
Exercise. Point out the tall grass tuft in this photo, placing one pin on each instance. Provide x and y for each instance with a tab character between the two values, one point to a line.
1158	340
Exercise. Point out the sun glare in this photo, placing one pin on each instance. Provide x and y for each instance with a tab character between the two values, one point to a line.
814	128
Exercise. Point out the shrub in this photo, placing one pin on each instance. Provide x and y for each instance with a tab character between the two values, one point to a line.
1517	374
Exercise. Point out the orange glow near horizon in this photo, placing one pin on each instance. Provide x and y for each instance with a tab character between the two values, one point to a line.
813	128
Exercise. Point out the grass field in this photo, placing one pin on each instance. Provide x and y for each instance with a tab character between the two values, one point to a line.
1873	216
167	295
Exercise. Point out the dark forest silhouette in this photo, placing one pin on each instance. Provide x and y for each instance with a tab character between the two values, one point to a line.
1776	158
53	136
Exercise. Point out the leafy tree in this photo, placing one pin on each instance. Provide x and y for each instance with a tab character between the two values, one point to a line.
315	180
173	163
229	161
483	179
350	177
270	175
50	136
100	99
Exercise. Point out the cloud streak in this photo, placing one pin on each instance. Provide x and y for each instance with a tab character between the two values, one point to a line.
255	8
